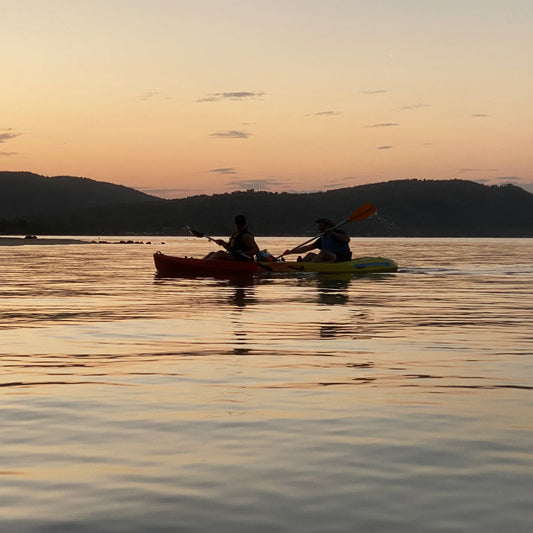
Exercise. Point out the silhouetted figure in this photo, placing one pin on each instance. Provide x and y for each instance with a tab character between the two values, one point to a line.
333	244
240	247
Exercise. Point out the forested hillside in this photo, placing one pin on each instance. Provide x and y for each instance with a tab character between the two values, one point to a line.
27	194
421	208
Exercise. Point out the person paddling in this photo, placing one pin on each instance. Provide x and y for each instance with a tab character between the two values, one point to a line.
333	244
241	246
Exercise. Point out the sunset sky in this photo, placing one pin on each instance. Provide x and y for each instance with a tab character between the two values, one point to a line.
177	98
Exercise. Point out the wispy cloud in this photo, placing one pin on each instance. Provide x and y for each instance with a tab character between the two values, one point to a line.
374	91
225	170
479	115
167	193
338	183
7	134
264	184
235	96
383	125
414	106
509	179
324	114
384	147
524	183
148	95
231	134
466	170
515	180
342	183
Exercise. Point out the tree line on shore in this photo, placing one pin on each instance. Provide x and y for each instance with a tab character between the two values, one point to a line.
406	208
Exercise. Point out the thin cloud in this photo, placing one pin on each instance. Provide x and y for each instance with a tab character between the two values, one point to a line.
413	106
168	194
225	170
324	114
7	154
171	194
465	170
234	96
6	135
377	91
523	183
335	185
231	134
514	180
509	179
384	147
264	184
479	115
148	95
383	125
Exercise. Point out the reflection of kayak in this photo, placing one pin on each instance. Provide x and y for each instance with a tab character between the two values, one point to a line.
172	265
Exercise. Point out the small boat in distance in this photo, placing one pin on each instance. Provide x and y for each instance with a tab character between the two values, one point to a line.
169	265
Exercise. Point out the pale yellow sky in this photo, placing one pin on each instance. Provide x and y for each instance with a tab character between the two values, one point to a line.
179	98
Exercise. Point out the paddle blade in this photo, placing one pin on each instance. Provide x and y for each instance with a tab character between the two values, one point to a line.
362	212
194	232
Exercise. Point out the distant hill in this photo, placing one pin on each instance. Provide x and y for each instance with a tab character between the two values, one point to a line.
406	208
28	194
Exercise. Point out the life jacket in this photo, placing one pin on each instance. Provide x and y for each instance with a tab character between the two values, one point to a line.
237	246
331	244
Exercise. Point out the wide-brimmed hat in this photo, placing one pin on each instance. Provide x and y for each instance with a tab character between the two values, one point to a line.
326	221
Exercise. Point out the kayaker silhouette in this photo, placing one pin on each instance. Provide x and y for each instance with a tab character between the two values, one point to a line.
241	246
332	243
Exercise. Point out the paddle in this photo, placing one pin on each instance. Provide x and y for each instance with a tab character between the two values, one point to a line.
362	212
197	233
220	242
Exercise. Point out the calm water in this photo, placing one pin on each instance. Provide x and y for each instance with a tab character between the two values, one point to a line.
401	402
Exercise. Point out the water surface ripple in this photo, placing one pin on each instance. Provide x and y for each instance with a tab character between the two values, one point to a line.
398	402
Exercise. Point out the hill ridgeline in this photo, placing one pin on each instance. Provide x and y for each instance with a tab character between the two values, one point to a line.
30	203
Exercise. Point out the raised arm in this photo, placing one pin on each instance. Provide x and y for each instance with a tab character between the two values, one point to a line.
300	249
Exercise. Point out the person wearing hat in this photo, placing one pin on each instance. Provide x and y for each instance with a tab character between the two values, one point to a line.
332	243
241	246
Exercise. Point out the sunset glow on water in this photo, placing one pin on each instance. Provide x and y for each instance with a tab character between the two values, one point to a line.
396	402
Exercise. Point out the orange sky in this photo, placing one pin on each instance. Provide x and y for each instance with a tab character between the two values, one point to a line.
178	98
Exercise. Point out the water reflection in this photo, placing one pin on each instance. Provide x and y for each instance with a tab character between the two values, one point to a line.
333	291
242	296
237	313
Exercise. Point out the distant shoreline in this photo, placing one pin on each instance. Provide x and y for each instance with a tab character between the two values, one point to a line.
23	241
19	241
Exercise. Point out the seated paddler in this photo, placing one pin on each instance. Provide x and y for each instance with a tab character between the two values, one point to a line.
241	246
332	243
